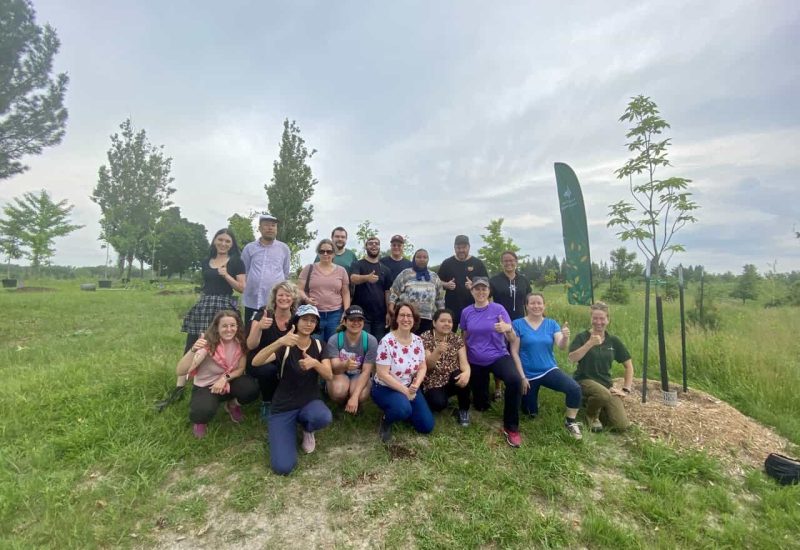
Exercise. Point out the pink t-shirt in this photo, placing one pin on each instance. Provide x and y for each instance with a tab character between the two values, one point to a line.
209	371
326	290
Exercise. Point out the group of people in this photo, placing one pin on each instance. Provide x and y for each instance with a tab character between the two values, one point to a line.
388	329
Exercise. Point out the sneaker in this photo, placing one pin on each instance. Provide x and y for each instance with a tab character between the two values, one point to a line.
463	417
309	442
175	394
512	438
574	429
385	430
199	430
596	425
265	410
235	412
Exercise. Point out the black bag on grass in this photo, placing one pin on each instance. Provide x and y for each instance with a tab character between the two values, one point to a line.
784	469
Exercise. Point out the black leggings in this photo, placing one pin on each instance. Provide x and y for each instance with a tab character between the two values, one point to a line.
437	397
204	404
504	369
267	377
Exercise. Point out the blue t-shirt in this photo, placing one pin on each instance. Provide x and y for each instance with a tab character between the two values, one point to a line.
536	346
484	344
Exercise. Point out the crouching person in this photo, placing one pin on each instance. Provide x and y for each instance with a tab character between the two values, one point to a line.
297	398
352	352
216	361
595	350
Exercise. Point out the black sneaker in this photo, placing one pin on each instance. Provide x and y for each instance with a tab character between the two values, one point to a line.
463	417
385	431
175	394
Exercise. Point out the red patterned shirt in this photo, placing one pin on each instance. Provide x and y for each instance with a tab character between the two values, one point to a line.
403	360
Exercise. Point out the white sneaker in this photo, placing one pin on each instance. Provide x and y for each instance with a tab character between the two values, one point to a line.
597	426
309	442
574	430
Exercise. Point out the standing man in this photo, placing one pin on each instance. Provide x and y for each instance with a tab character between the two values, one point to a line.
395	261
341	255
267	264
510	287
456	274
372	282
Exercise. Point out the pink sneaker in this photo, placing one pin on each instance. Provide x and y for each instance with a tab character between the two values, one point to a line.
199	430
235	412
512	438
309	442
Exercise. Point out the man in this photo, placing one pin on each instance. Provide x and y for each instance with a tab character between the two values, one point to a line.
372	281
341	255
267	264
395	261
509	287
456	273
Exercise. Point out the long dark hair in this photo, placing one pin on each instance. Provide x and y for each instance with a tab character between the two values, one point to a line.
233	252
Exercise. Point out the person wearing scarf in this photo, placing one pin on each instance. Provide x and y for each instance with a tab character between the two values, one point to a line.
419	287
216	362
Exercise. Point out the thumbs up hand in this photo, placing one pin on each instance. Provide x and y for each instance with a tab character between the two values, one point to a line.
565	330
468	284
290	338
306	362
200	343
501	326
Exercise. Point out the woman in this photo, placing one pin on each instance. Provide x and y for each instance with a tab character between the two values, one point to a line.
269	324
297	399
220	375
352	352
594	350
510	288
419	287
400	371
448	369
223	272
486	329
533	353
326	286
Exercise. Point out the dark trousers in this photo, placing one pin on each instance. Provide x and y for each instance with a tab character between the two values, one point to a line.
249	313
396	406
555	380
424	324
190	340
267	378
204	404
437	397
376	328
282	430
505	370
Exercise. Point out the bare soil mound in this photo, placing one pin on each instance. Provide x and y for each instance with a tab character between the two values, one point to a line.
701	422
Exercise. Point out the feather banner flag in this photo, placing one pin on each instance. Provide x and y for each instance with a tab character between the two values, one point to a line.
578	277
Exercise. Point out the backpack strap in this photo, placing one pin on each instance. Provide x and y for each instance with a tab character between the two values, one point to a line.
340	339
364	342
308	279
283	361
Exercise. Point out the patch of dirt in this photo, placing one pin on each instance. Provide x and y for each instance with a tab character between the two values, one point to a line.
701	422
173	292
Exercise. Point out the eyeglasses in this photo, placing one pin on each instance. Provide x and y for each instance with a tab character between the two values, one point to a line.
325	251
405	316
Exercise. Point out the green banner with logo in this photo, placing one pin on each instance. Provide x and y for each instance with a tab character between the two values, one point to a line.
576	236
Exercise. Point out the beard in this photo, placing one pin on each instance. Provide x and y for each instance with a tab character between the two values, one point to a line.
372	255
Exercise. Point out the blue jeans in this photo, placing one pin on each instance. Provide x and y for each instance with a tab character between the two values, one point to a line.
556	380
328	323
396	406
282	428
376	328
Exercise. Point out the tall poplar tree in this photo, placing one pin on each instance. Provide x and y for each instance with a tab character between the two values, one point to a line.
132	191
292	187
32	112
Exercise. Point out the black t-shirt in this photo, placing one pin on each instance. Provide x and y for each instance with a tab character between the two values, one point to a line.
296	387
372	296
214	284
267	336
453	268
395	266
510	294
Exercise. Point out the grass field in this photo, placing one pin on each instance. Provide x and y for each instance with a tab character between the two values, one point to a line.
86	462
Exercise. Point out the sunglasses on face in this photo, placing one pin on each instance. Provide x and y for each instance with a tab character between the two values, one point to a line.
325	251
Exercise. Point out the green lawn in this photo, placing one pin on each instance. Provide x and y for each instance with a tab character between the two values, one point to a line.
86	462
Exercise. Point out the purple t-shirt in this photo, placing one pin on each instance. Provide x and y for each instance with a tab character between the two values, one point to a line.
484	344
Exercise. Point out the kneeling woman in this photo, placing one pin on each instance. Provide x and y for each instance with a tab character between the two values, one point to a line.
352	352
448	368
297	398
533	353
217	363
400	371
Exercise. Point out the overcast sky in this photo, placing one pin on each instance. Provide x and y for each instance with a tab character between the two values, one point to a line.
431	118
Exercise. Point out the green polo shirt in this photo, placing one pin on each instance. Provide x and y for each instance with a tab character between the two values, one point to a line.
596	364
345	259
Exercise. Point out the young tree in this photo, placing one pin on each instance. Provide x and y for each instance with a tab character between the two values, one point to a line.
242	227
181	244
132	191
10	243
662	206
291	190
494	246
747	284
622	263
32	112
35	221
365	231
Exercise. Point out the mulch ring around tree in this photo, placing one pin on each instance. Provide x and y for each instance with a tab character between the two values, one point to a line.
701	422
32	289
